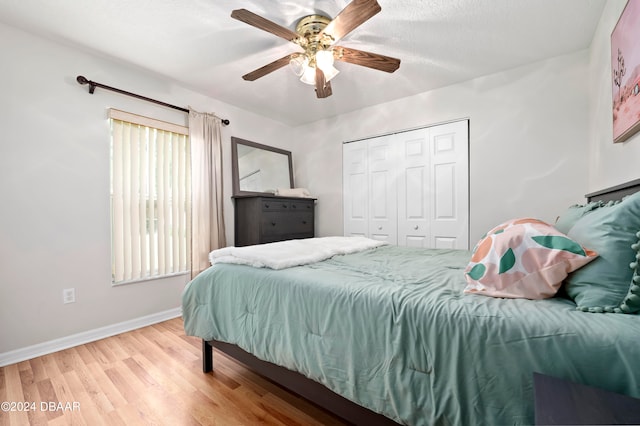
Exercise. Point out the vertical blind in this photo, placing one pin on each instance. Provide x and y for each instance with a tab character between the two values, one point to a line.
150	197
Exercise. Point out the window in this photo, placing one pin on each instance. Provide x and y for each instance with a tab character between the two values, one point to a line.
150	198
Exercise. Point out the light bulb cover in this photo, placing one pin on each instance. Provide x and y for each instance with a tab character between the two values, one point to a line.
309	75
298	64
324	59
330	73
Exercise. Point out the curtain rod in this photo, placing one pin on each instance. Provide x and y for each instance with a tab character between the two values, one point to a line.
92	87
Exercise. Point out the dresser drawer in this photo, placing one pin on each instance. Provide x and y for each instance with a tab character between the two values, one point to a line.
301	223
302	206
275	223
275	205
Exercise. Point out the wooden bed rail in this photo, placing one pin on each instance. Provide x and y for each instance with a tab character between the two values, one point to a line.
297	383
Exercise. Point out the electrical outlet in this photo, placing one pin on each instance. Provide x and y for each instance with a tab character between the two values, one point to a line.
68	295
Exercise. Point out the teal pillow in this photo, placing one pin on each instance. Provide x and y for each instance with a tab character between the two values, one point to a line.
570	217
611	283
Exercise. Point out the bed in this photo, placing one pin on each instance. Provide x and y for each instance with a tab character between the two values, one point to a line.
386	335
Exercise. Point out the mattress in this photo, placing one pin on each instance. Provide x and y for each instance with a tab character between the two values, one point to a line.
390	329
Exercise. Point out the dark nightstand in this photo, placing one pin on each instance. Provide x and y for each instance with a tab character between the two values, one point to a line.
560	402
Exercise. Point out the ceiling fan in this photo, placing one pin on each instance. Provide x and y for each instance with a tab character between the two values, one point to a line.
317	35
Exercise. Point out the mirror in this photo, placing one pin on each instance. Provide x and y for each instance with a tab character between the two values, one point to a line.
259	169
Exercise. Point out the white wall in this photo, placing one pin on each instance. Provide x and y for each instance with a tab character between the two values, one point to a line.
609	164
528	141
529	145
54	187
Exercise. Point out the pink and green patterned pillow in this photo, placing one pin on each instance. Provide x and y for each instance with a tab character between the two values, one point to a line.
523	258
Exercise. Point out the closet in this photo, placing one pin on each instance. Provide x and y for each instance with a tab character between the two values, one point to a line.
409	188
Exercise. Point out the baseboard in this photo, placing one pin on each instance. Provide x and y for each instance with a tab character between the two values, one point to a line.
62	343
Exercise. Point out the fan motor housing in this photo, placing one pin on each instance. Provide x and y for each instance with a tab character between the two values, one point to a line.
309	29
311	25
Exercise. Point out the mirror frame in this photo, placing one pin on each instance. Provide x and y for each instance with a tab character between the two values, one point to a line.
237	192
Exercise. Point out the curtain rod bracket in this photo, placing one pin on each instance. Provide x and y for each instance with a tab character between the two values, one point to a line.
92	88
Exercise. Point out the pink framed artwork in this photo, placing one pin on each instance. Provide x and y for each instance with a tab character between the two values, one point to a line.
625	72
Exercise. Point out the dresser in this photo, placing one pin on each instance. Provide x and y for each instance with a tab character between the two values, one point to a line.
266	219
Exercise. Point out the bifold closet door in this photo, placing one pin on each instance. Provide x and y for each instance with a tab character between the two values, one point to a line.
433	186
449	195
413	187
370	193
383	204
410	188
355	187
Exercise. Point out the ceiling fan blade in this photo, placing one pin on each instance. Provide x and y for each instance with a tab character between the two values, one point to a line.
323	87
352	16
264	24
262	71
367	59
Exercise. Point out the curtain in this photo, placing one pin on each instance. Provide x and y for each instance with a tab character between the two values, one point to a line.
207	220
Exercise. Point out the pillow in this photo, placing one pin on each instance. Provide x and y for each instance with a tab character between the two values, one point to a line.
611	282
565	221
523	258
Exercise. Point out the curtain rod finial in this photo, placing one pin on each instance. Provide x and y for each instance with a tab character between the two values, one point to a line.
83	80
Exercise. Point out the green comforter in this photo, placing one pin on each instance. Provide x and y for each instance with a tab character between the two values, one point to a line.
390	329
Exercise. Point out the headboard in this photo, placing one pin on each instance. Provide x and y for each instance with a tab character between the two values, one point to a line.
615	192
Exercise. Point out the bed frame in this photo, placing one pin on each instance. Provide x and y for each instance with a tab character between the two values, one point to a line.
615	192
319	394
296	383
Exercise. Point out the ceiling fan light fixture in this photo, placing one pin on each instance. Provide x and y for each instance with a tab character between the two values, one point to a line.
330	73
305	67
324	59
298	64
309	75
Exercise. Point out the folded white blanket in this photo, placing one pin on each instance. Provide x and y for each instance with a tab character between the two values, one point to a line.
285	254
293	192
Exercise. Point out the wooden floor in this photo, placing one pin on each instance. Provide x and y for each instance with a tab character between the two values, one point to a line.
150	376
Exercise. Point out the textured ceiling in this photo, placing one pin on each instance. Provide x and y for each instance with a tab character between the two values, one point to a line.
196	43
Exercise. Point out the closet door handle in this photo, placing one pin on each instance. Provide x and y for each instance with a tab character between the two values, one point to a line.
416	228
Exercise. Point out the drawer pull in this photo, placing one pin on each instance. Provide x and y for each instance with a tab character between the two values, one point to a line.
284	206
273	224
416	227
293	206
266	206
304	222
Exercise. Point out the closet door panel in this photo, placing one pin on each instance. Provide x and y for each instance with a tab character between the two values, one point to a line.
355	189
413	188
449	145
382	190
